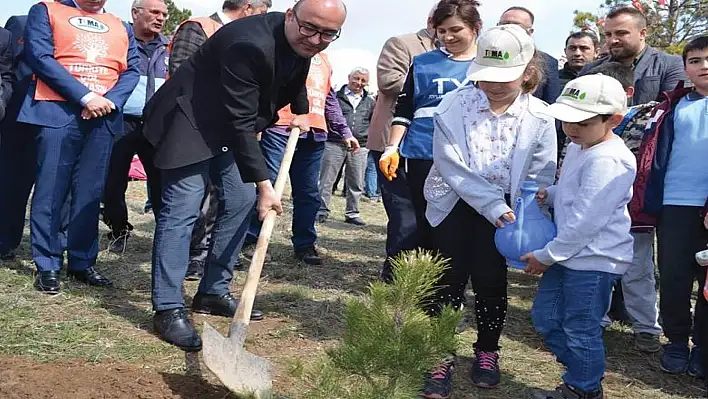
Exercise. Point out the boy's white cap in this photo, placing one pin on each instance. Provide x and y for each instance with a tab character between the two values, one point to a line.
502	54
589	96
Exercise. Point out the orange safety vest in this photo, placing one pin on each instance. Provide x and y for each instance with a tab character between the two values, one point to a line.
209	26
92	47
318	86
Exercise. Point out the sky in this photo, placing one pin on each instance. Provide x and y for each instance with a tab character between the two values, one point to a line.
371	22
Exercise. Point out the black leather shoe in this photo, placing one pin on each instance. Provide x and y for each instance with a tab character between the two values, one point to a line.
90	276
195	270
308	255
47	282
175	328
357	221
8	256
220	305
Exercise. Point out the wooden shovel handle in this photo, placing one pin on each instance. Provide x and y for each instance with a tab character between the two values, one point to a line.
248	295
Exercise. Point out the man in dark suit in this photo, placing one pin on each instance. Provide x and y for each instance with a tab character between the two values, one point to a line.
86	65
654	72
203	123
188	37
550	89
6	75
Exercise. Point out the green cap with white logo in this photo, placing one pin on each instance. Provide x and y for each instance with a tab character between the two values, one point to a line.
587	97
503	52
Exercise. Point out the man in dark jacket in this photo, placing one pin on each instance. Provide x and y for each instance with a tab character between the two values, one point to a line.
580	48
357	107
6	76
148	18
550	89
654	72
204	123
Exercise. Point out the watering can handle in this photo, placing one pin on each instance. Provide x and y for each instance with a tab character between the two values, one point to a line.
248	295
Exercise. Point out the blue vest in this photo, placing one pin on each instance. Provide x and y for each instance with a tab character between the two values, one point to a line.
435	74
153	72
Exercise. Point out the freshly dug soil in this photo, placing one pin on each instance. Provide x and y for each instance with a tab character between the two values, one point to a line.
22	379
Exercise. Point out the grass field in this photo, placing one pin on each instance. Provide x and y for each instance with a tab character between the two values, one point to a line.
98	343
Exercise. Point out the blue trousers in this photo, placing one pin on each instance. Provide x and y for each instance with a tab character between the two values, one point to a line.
18	164
182	193
72	162
568	312
304	173
371	176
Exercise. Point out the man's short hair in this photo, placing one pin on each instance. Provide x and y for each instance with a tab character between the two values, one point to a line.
631	11
141	3
584	33
233	5
695	44
360	70
524	9
620	72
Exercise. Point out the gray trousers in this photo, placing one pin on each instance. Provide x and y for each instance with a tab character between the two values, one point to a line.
639	287
336	155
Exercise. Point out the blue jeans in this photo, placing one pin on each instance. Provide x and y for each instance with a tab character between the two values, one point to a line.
371	177
72	162
304	173
568	312
182	193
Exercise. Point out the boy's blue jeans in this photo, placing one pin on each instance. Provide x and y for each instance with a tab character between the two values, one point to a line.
568	312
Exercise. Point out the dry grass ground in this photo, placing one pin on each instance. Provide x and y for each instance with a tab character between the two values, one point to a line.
110	329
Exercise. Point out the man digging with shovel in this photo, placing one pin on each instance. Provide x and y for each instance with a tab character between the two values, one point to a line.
203	124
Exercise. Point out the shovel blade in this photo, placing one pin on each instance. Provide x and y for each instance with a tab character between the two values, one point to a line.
242	372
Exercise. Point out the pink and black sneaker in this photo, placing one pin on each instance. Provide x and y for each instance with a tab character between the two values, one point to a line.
438	384
485	369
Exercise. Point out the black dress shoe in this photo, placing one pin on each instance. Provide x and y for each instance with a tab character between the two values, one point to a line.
47	282
308	255
175	328
8	256
220	305
89	276
357	221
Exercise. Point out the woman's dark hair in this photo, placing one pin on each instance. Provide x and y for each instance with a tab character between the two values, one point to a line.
536	68
466	10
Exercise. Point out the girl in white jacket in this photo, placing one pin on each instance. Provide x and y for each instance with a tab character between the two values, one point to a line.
488	139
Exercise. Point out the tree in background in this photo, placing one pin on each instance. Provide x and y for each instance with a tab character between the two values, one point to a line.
671	22
176	17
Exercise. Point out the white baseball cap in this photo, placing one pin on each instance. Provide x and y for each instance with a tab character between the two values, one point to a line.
587	97
503	52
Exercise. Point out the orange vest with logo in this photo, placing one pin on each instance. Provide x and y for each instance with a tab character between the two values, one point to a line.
92	47
318	86
209	26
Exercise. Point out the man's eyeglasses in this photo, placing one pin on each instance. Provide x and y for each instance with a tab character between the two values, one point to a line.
309	31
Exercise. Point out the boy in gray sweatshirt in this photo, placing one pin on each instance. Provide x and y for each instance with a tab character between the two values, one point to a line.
593	247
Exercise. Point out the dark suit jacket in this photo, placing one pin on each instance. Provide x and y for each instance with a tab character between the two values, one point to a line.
550	88
39	55
186	41
655	73
7	77
226	93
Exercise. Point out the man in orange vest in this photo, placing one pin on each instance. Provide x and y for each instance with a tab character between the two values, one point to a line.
86	64
192	33
188	38
325	114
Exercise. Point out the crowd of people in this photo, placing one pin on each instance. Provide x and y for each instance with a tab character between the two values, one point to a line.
464	115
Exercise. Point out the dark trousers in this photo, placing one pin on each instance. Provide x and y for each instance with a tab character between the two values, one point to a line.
681	234
467	239
72	159
115	210
304	173
182	193
201	235
18	166
404	212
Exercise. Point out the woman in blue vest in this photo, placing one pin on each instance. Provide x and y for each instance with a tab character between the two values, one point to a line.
433	74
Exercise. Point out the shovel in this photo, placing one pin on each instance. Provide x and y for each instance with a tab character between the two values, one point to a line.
242	372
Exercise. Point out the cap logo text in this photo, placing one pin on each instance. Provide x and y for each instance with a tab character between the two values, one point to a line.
496	55
575	94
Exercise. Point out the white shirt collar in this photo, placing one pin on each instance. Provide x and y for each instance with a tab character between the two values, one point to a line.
79	7
223	17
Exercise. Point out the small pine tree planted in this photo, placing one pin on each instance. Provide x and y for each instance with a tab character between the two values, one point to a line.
389	341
